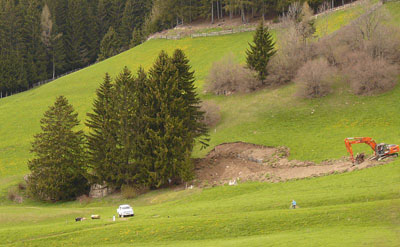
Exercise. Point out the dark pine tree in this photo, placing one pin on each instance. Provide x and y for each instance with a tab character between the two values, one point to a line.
191	114
137	37
103	17
132	20
35	53
75	43
171	117
261	51
127	124
186	82
101	138
58	169
109	45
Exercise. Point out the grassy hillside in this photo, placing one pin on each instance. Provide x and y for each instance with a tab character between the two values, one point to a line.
352	209
20	114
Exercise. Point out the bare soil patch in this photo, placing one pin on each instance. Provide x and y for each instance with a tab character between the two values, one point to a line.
240	161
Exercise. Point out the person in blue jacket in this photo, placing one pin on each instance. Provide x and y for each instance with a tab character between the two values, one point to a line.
294	204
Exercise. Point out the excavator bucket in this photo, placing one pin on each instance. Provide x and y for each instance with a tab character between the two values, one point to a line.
360	158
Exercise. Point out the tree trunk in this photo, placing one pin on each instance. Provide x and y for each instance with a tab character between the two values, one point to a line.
190	12
218	9
243	14
212	11
222	11
263	11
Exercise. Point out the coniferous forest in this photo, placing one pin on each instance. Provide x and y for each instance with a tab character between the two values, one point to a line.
41	40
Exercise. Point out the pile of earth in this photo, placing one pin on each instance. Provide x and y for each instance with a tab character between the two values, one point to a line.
234	162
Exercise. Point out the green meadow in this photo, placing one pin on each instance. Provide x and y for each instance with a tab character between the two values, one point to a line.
360	208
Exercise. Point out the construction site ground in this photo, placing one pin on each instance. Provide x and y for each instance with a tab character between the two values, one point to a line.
231	163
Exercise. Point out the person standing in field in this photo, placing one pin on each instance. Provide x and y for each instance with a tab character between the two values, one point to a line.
294	204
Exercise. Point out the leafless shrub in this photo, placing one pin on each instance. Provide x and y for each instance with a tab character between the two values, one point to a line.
370	34
325	6
385	44
292	15
346	58
212	113
84	199
14	196
370	22
292	54
372	76
315	78
227	77
128	192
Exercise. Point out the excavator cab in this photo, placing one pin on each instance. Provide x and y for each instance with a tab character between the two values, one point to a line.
381	148
384	150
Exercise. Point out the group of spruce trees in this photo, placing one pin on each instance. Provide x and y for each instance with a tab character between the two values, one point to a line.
142	131
41	39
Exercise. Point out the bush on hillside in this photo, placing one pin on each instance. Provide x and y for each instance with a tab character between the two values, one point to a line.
315	79
372	76
293	52
84	199
369	35
128	192
212	113
227	77
13	195
385	44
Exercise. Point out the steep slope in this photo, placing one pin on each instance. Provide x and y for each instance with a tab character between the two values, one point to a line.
243	116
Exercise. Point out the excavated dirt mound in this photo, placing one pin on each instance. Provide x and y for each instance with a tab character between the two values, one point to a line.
233	162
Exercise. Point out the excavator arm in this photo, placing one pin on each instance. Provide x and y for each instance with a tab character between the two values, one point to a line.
355	140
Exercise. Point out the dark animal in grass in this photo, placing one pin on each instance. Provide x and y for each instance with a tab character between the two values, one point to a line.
80	219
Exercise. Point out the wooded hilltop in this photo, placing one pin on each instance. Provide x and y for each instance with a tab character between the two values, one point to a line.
41	40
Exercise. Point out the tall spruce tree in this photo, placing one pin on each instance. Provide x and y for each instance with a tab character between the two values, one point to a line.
261	51
137	37
125	122
75	43
58	169
171	120
117	129
35	54
102	138
128	23
186	85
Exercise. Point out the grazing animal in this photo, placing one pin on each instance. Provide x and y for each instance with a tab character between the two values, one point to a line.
79	219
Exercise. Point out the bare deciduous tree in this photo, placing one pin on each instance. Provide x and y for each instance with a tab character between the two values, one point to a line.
227	77
315	79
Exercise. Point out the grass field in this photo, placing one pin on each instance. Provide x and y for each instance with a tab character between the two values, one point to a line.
352	209
361	209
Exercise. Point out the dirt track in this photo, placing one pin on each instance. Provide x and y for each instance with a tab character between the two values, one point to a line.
245	161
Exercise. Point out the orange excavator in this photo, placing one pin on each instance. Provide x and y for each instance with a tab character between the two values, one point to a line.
381	151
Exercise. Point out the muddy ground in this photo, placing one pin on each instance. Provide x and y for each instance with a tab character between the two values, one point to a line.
241	161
